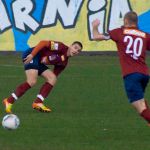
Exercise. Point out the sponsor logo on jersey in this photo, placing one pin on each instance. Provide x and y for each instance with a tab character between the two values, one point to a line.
54	46
52	57
134	32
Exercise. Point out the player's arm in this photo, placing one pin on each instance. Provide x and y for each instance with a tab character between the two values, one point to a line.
37	48
96	35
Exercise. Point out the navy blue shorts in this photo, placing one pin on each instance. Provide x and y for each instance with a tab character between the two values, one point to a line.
35	63
135	85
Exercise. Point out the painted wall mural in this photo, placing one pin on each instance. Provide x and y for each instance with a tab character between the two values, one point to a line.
23	23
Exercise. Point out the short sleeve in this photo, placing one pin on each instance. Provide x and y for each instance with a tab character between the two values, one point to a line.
114	34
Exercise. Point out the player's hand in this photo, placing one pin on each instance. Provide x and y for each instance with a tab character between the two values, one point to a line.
28	59
96	23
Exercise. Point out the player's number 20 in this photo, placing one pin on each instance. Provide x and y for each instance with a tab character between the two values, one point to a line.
136	44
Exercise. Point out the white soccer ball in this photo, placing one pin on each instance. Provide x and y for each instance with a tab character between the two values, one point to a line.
10	122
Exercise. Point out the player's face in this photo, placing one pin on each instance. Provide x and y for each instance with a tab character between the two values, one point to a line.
74	49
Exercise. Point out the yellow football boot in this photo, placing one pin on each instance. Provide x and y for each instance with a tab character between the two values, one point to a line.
41	107
8	106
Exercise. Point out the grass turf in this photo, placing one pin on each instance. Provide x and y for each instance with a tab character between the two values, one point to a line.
90	110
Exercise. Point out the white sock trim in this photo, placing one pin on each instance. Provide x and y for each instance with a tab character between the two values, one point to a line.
40	97
14	96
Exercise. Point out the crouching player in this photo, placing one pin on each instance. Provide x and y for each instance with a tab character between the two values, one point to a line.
35	64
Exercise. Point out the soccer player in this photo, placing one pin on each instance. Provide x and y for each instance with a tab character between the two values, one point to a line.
35	64
132	45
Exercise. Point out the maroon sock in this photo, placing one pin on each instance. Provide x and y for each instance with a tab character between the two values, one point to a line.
146	114
20	90
38	100
11	99
44	91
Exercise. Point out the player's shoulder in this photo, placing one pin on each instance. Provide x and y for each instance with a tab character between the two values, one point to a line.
148	35
145	34
115	30
56	42
148	39
58	45
62	45
55	45
135	32
115	34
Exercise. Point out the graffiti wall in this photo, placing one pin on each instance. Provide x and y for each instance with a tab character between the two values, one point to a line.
23	23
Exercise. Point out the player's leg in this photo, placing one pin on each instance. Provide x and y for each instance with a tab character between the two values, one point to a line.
139	105
135	85
46	88
31	71
31	76
142	105
142	109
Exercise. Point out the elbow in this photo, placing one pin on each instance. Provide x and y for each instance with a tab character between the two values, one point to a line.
95	38
94	35
100	37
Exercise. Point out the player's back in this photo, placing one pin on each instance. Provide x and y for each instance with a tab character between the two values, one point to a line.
132	45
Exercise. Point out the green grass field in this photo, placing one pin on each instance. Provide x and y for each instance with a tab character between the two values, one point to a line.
90	110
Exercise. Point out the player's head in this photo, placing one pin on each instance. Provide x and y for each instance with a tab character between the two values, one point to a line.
130	19
75	48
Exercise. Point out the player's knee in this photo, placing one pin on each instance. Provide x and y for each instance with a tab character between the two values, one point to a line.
32	82
139	105
52	79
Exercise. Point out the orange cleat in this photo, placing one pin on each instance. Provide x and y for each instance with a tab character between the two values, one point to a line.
41	107
8	106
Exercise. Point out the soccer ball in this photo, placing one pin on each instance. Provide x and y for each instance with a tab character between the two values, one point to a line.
10	122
